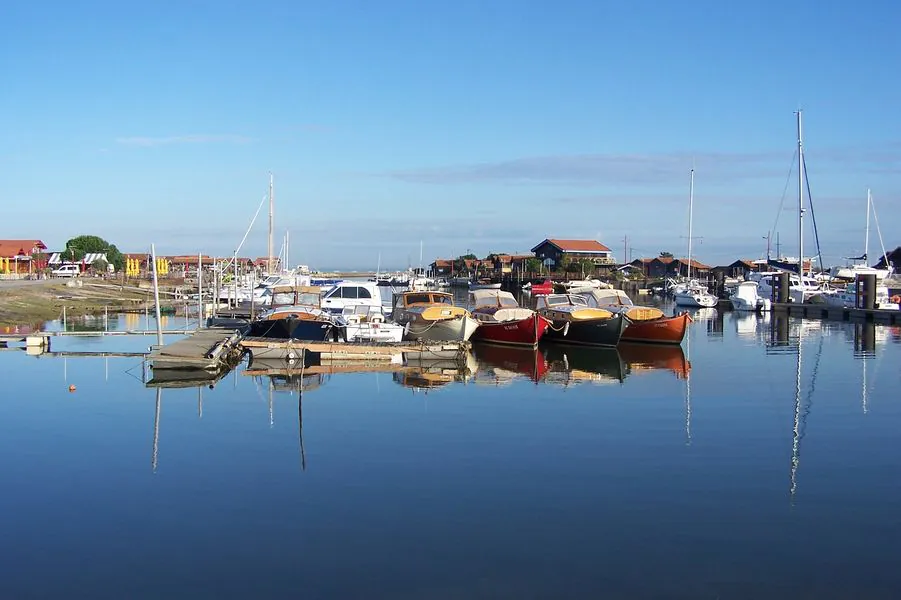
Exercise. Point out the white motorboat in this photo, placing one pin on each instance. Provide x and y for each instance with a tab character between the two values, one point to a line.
745	298
800	289
368	324
579	286
847	298
695	296
348	294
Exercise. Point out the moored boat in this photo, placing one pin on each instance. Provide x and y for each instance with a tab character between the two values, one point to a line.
484	284
432	316
539	289
646	323
503	321
574	322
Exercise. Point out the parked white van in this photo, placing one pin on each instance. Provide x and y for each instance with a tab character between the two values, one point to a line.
66	270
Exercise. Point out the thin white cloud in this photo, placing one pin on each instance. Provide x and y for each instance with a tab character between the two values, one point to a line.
147	142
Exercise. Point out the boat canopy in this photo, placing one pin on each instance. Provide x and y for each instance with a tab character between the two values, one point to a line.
497	298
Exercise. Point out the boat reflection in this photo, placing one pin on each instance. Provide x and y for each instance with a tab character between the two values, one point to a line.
502	364
428	375
652	357
289	376
570	365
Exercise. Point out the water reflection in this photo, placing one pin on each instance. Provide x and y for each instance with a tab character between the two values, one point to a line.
570	365
502	364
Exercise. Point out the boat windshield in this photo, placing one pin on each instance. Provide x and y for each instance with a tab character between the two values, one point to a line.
564	300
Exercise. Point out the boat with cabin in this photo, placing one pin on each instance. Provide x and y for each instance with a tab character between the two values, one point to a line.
350	294
303	319
646	323
503	321
432	316
573	321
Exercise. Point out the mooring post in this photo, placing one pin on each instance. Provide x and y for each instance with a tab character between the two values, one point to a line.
199	290
156	298
64	317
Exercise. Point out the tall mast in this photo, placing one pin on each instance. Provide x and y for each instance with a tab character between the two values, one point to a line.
800	199
691	203
271	217
866	242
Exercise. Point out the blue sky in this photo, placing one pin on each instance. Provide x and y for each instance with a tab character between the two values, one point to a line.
467	125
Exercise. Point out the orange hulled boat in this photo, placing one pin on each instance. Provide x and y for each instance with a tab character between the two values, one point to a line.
647	323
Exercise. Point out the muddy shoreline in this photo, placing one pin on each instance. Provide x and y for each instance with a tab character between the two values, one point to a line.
32	303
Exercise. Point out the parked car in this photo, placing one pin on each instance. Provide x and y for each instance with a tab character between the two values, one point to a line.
69	270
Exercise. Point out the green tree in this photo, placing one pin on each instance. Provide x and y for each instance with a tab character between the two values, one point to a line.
77	247
586	266
99	265
533	265
666	255
564	263
467	257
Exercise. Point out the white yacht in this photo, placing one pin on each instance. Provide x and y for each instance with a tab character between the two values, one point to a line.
800	289
694	295
745	298
351	294
847	298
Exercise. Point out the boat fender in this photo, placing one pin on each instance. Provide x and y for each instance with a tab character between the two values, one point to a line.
565	329
896	299
407	328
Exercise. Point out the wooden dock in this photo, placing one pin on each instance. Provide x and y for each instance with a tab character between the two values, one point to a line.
265	348
822	311
206	350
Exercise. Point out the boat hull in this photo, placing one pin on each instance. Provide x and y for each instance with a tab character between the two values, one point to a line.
457	329
695	300
666	330
294	329
590	332
524	332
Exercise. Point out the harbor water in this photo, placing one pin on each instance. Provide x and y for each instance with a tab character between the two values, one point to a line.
759	460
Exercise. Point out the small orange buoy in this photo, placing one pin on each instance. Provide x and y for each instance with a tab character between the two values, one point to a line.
71	388
896	299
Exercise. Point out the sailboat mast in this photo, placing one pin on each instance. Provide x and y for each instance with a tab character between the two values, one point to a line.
271	219
866	239
691	203
800	199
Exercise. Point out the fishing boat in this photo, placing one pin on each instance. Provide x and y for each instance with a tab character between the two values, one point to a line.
646	323
503	321
432	316
304	319
574	322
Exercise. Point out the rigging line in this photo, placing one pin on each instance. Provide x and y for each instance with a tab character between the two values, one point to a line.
879	232
785	191
246	233
813	216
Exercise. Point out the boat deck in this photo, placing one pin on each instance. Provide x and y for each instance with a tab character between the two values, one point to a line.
207	350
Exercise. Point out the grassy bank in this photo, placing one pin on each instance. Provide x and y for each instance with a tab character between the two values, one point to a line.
34	304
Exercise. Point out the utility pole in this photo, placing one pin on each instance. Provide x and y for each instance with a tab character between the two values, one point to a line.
625	249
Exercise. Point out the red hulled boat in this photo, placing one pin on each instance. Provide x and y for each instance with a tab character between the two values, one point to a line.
503	321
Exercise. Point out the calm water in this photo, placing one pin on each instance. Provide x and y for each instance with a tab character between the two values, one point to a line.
765	469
